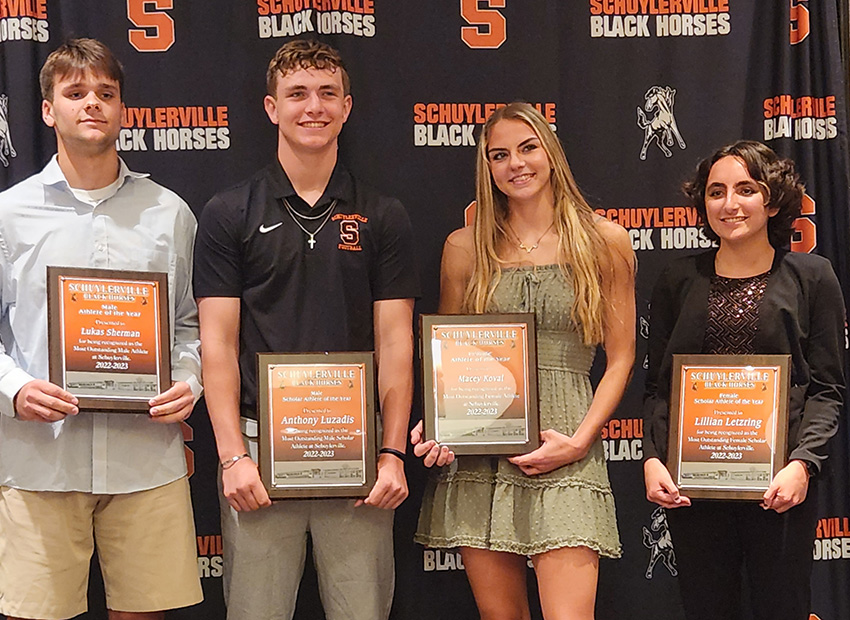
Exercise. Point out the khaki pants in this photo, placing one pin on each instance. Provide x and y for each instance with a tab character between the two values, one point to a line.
265	551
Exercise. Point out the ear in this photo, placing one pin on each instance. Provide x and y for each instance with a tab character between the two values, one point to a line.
347	104
771	211
47	113
270	106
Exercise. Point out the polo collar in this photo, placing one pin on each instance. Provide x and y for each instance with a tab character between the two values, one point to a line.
339	186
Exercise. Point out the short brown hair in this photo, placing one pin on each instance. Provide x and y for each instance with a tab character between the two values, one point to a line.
304	54
776	175
76	57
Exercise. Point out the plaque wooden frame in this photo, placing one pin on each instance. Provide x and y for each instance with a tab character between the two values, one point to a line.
364	361
88	398
530	439
714	483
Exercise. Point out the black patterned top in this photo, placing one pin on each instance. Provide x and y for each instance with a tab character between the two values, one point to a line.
733	311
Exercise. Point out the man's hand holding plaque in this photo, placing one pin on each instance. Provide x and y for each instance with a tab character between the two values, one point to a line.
173	405
42	401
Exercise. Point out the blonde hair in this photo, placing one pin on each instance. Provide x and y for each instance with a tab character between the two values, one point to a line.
582	252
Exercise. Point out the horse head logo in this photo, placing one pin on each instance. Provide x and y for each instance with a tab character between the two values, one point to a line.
660	548
6	148
657	120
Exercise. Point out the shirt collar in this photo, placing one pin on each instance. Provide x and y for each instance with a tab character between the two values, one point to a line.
52	174
339	186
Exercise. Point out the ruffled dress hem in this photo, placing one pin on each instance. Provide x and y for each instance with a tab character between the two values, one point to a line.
510	546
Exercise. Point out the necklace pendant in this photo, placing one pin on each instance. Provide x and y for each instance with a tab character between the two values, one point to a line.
522	246
312	235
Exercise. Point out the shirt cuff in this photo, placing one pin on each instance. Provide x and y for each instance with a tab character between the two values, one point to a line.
813	462
811	468
10	385
194	384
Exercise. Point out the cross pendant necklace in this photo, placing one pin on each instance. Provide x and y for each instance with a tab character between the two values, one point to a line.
295	217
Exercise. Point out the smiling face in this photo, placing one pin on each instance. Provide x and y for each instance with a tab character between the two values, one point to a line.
309	108
735	204
518	162
85	112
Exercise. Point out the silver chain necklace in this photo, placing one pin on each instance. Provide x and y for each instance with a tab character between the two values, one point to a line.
312	235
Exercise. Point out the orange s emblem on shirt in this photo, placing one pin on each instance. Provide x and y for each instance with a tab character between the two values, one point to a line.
349	232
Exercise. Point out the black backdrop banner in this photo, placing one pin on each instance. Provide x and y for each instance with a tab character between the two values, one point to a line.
638	90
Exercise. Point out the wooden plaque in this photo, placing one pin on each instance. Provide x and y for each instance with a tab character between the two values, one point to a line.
728	424
108	336
317	424
480	382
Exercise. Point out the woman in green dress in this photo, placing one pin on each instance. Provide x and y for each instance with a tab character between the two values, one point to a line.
536	246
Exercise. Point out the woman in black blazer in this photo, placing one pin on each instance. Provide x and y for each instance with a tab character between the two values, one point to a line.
748	296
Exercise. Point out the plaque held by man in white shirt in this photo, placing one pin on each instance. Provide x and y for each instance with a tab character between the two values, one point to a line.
108	336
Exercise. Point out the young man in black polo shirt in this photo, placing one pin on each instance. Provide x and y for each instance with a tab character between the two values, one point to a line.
303	257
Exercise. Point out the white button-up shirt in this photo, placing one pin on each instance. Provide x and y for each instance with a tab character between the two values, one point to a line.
142	227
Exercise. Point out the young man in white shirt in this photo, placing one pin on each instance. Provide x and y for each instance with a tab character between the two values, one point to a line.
70	478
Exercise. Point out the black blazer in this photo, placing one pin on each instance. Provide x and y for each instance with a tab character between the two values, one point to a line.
802	313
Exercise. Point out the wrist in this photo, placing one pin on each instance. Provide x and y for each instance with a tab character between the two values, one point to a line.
393	453
582	444
806	467
389	461
233	460
10	386
652	462
233	444
226	455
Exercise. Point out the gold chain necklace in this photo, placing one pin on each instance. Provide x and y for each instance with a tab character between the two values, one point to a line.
522	246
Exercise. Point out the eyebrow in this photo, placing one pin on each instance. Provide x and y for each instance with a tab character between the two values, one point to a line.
297	87
100	85
521	144
738	184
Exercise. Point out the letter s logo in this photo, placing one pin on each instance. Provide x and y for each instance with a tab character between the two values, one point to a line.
800	25
804	237
488	28
154	20
349	232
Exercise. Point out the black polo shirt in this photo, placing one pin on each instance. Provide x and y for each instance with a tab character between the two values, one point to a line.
294	298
